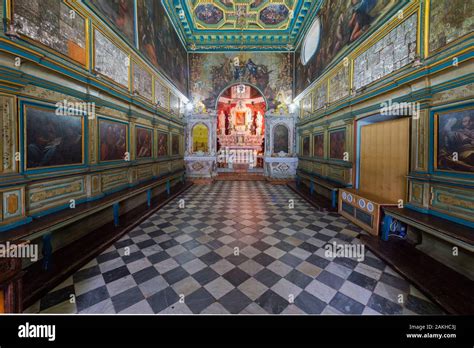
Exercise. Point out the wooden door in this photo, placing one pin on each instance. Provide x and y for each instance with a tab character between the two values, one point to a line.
384	159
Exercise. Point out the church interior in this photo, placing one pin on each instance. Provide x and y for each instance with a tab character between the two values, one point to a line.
237	157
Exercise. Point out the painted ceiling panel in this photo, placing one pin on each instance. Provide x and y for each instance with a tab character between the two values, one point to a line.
210	25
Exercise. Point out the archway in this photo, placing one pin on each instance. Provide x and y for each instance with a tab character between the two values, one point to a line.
241	128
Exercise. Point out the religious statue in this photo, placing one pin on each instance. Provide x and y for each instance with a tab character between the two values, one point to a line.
259	123
222	122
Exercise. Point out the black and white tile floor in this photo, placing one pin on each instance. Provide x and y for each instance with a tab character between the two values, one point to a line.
236	247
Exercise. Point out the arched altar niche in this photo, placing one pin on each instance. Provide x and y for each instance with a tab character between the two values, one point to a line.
241	112
281	139
200	136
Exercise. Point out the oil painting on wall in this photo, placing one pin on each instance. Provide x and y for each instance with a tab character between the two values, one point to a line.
119	13
112	140
174	104
305	141
162	144
175	144
455	147
274	14
318	146
144	140
161	95
52	140
271	73
449	20
142	82
54	28
337	144
159	42
110	60
342	23
209	13
280	139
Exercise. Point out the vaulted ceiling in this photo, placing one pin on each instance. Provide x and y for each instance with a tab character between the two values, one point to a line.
223	25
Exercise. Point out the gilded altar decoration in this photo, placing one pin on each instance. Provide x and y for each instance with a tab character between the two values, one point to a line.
200	138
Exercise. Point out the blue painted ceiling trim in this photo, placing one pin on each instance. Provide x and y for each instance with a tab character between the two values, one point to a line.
208	39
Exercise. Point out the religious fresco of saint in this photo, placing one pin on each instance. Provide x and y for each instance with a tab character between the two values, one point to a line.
112	140
280	139
318	146
342	23
449	20
120	13
54	28
274	14
162	144
200	138
158	41
271	73
53	140
455	147
305	151
337	144
209	14
175	148
144	139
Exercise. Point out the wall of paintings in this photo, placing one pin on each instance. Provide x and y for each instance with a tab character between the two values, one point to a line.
155	39
399	64
158	41
343	23
94	127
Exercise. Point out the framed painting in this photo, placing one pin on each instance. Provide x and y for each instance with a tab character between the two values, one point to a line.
110	61
142	82
162	95
119	13
337	144
113	140
318	145
281	138
49	22
175	146
163	144
144	142
52	140
305	146
454	141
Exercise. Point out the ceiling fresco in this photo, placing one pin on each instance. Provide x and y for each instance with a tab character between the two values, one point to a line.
207	25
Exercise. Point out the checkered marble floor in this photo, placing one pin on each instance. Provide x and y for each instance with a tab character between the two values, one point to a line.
236	247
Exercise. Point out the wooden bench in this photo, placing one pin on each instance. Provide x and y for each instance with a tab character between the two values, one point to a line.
451	232
331	186
42	276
